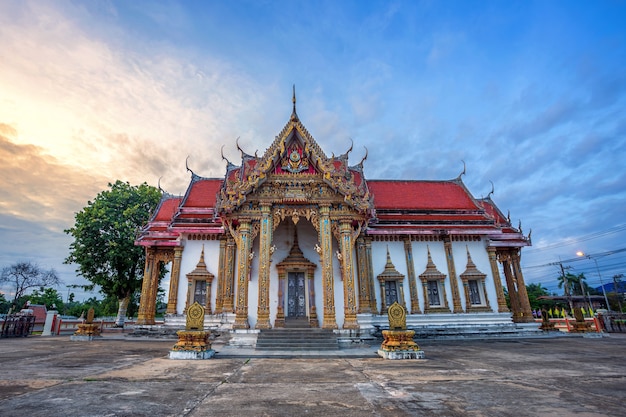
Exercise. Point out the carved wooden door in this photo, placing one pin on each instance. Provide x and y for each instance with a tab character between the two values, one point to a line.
296	298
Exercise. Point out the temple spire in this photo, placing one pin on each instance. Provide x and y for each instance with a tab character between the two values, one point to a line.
294	115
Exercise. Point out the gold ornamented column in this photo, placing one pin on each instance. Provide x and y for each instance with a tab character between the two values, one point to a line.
370	275
243	252
497	282
511	285
349	302
408	251
526	313
325	237
229	277
174	279
312	309
263	311
280	310
219	291
454	282
145	288
363	276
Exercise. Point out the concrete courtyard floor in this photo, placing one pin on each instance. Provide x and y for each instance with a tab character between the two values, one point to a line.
124	376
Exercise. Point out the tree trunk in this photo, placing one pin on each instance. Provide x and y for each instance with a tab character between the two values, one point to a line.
121	311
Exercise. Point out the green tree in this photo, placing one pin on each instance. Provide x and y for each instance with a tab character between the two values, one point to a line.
104	240
5	304
24	275
572	284
49	297
534	292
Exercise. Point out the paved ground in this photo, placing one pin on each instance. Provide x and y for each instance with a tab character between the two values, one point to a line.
115	376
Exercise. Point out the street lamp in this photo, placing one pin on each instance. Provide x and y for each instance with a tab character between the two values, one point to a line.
583	254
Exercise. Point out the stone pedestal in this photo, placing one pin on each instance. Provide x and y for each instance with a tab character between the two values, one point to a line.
192	344
399	344
86	332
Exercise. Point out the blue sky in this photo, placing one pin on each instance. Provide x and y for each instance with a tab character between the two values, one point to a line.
531	95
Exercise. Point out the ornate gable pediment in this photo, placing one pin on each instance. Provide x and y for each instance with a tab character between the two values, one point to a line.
294	154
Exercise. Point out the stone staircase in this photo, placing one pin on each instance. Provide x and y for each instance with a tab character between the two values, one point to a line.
297	339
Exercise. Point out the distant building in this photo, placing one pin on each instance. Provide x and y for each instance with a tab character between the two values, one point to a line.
294	234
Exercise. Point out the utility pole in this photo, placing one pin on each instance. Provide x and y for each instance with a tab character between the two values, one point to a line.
617	279
606	299
568	293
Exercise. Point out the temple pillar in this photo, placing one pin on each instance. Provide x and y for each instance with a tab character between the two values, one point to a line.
142	314
219	291
408	251
526	312
326	250
363	277
511	285
345	230
228	293
243	259
454	282
497	281
172	300
370	275
312	309
280	309
263	311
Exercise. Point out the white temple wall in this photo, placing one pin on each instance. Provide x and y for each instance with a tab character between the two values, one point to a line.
188	262
480	257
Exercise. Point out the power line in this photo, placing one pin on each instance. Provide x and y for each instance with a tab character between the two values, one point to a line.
584	238
579	258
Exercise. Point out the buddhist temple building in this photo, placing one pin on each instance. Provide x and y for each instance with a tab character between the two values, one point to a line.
297	235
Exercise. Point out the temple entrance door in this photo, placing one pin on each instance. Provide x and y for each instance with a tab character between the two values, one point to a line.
296	296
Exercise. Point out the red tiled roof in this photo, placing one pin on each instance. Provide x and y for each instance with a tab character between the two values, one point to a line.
166	209
203	192
420	195
492	211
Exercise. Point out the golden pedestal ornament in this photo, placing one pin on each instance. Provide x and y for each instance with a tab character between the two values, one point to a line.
193	342
87	330
398	343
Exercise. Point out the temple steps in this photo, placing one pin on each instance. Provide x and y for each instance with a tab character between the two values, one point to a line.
297	339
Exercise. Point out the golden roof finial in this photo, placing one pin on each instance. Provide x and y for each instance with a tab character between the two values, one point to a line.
294	115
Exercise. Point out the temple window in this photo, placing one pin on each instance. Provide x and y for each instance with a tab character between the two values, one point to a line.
433	282
391	292
474	286
391	285
199	294
474	292
434	295
199	285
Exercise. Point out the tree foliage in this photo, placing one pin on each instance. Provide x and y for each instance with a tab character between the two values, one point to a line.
49	297
534	292
572	284
104	235
24	275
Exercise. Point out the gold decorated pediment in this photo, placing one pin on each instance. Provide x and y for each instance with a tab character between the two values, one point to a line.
294	154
